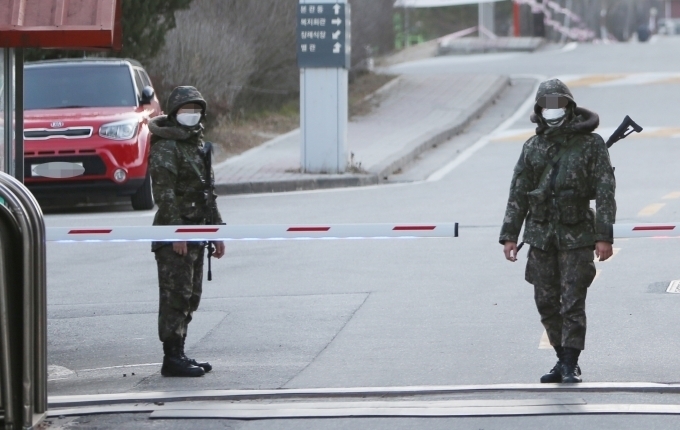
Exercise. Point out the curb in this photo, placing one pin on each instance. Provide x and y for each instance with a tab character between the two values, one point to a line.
287	185
437	137
378	174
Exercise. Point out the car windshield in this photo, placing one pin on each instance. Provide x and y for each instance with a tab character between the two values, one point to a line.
60	87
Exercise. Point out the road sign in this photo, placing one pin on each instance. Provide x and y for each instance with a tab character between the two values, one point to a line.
324	36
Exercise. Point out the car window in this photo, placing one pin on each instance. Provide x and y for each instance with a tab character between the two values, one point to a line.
145	78
59	86
139	81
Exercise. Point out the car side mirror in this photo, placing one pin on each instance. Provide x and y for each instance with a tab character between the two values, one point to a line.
147	95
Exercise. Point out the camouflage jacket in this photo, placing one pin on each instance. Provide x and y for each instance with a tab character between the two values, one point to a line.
178	172
556	205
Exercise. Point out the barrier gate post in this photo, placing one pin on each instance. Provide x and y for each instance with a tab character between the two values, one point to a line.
23	302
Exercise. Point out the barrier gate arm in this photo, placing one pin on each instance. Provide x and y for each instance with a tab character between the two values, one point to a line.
658	230
250	232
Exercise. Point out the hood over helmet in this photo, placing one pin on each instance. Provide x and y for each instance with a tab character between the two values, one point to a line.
579	120
553	87
184	95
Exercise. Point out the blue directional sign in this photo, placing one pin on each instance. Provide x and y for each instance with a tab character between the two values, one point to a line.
324	36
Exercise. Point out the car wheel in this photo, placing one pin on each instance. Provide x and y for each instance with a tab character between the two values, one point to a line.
142	200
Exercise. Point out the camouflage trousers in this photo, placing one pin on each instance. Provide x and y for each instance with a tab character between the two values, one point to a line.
561	279
180	281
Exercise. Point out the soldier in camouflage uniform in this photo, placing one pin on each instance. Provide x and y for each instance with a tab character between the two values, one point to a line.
178	174
561	169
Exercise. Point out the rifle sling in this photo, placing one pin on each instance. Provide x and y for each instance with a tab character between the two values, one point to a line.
554	165
191	161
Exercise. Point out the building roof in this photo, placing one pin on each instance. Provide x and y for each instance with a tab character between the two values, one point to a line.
68	24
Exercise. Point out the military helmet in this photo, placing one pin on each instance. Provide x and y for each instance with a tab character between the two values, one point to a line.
553	94
184	95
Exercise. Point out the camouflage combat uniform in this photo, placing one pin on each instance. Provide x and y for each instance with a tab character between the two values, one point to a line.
178	172
560	225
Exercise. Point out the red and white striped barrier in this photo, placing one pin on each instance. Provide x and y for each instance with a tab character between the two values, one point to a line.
250	232
661	230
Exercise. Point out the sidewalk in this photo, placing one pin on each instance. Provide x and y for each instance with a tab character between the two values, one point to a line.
415	114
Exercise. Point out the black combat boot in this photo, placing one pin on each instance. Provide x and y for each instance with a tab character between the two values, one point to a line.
555	374
571	372
207	367
174	364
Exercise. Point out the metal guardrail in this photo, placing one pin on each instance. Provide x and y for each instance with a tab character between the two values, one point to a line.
24	403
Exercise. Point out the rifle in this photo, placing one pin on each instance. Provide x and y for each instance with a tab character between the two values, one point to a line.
627	127
208	192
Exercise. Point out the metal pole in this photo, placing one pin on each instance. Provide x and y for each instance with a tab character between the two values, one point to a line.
28	213
28	355
8	108
19	115
5	356
37	267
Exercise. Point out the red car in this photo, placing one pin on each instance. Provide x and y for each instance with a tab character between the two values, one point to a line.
86	129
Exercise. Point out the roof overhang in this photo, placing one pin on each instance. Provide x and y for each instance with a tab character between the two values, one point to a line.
65	24
438	3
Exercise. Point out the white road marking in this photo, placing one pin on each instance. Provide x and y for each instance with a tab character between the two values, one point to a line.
571	46
674	287
127	366
480	144
61	372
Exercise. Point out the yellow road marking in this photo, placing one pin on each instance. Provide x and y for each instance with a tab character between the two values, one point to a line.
544	343
587	81
661	132
521	136
656	132
673	80
651	209
671	196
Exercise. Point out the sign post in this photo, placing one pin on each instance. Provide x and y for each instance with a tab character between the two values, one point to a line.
324	50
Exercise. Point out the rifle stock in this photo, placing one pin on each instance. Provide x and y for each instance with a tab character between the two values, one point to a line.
627	127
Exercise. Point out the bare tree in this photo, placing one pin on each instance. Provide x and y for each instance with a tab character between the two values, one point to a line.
243	52
206	52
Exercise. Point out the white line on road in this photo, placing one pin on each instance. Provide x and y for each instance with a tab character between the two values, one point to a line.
469	152
127	366
569	47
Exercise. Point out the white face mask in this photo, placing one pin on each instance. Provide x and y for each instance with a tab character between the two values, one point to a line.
554	114
189	119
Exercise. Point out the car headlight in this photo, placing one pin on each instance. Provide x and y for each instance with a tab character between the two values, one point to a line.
121	130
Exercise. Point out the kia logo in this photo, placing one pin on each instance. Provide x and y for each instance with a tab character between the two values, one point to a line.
57	124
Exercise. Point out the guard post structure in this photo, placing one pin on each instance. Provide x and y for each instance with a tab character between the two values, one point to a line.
324	50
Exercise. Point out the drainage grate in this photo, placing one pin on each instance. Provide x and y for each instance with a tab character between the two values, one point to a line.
674	287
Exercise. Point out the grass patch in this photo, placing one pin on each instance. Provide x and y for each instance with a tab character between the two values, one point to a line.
239	132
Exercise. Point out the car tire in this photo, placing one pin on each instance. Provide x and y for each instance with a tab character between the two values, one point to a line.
142	200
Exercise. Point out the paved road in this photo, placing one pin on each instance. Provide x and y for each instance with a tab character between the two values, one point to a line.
400	313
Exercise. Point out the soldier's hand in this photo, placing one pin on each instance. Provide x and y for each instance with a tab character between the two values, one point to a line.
180	248
219	250
603	250
510	250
